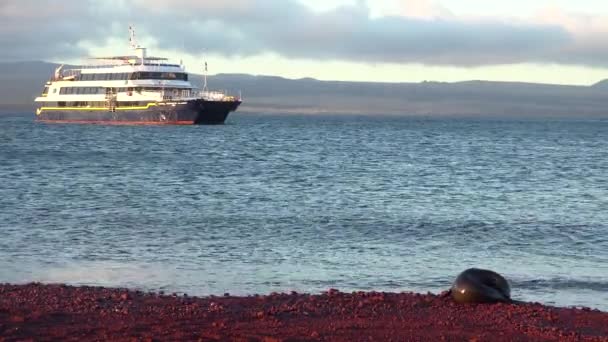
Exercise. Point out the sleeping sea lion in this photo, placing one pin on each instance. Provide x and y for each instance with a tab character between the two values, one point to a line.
480	286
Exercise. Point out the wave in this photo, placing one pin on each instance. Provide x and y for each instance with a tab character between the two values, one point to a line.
600	285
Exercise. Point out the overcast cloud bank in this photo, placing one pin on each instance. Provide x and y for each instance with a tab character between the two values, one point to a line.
48	29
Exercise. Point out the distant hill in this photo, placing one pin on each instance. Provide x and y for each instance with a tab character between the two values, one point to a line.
601	85
20	82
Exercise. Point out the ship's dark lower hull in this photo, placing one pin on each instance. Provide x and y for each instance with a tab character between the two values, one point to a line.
195	112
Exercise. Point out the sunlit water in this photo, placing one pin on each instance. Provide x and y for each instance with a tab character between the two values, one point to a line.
306	203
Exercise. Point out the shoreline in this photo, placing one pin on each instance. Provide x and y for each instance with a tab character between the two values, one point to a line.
62	312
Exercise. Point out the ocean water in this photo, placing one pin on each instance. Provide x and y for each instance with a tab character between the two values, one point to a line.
279	203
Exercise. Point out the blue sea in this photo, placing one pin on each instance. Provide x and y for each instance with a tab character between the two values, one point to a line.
275	203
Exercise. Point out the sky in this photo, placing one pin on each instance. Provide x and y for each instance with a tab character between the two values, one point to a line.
559	41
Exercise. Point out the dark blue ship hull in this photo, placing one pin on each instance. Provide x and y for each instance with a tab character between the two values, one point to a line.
194	112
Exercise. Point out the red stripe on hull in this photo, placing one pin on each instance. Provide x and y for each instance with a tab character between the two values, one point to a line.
127	123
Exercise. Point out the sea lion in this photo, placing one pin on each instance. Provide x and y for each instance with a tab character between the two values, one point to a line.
480	286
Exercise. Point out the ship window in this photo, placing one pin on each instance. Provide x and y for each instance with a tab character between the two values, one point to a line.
158	76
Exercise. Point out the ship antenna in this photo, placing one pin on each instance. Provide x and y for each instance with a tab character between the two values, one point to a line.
205	78
132	41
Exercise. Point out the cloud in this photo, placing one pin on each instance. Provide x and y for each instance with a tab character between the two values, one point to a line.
589	36
422	32
422	9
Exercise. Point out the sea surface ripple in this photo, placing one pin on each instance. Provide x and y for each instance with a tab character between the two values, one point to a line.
306	203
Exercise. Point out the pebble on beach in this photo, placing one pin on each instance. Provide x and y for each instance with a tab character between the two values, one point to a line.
60	312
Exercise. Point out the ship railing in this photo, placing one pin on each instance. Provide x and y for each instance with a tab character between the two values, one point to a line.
66	75
135	64
215	95
193	94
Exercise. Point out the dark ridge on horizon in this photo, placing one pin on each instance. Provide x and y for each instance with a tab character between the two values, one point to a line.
43	65
469	82
20	83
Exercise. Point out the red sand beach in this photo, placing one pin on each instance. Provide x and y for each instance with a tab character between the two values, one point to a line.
60	312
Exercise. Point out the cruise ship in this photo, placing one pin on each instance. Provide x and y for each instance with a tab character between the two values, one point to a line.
133	89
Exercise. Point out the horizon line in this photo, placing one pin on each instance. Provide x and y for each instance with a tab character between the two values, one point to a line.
356	81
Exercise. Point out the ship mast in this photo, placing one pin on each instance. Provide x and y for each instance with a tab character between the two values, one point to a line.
205	78
132	41
140	51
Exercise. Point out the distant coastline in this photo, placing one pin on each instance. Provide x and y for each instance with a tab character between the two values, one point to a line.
20	83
